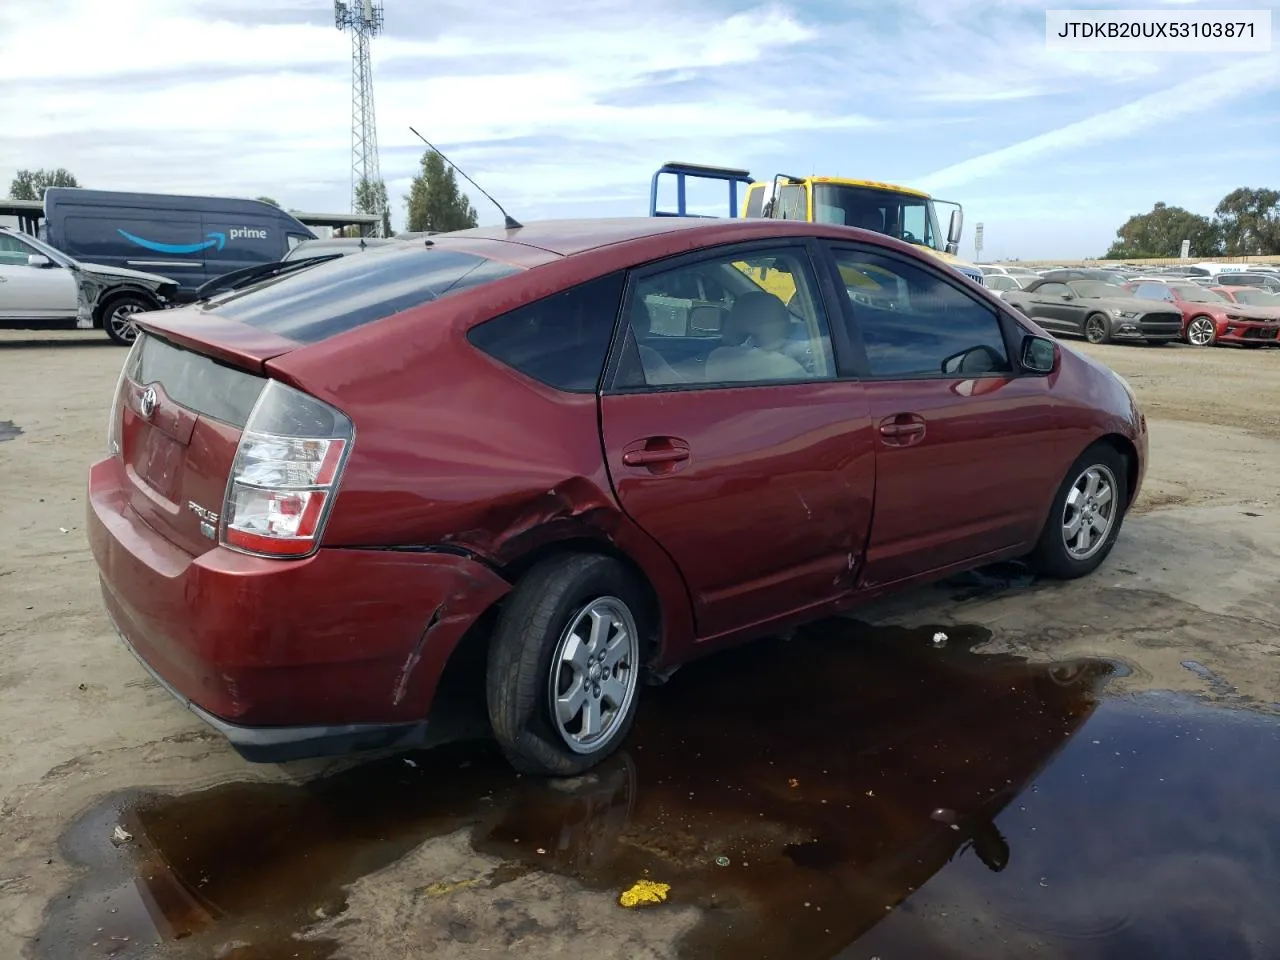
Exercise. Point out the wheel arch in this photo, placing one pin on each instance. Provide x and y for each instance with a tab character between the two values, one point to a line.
1129	453
112	294
464	668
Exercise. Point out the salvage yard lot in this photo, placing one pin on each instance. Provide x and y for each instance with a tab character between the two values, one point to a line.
1188	601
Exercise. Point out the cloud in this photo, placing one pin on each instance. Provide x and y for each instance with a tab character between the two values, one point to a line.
559	114
1151	111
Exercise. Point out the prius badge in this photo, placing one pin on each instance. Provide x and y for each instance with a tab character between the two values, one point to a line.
208	519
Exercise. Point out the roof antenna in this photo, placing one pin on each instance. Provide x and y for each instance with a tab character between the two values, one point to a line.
512	223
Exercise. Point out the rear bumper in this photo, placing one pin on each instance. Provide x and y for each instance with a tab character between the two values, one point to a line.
287	658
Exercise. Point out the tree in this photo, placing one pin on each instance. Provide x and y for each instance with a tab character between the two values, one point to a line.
269	200
371	197
1248	220
1160	234
31	184
434	201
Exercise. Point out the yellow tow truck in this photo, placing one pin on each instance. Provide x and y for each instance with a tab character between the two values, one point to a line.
902	212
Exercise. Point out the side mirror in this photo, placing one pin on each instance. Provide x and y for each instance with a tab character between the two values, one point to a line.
38	260
975	360
1068	296
1039	355
956	227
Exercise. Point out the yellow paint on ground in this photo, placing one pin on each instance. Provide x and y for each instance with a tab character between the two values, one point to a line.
644	893
440	889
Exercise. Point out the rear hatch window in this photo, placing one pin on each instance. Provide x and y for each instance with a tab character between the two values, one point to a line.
339	295
178	420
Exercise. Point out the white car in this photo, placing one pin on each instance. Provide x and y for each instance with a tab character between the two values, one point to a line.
39	283
1002	283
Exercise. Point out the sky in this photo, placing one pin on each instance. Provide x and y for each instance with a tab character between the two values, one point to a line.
566	109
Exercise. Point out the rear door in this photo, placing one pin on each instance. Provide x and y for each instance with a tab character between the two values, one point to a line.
754	469
967	454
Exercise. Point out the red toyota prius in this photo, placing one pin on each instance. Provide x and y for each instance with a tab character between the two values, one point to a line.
582	453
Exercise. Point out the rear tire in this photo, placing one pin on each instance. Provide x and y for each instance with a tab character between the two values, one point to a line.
117	317
1094	494
562	695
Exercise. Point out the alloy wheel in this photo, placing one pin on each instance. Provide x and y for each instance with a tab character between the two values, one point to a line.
1201	332
594	670
121	321
1089	512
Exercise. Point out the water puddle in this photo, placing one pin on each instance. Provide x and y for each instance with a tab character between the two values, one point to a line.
9	430
852	792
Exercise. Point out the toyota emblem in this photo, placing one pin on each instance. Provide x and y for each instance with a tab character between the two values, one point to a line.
147	403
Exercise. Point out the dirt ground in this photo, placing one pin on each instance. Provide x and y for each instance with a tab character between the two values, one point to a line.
1188	599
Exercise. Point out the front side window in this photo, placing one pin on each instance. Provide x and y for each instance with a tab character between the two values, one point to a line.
918	324
1153	291
561	340
13	252
1052	289
735	319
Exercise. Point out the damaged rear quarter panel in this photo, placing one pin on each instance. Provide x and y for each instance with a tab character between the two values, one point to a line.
456	449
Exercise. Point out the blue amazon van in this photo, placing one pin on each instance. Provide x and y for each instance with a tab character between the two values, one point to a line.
188	239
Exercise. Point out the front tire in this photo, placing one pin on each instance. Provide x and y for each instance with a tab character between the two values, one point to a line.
564	664
1086	515
1202	332
1097	328
117	317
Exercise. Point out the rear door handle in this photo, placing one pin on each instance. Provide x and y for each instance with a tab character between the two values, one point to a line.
658	454
643	458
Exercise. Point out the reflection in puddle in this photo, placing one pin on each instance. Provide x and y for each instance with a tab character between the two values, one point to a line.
852	784
9	430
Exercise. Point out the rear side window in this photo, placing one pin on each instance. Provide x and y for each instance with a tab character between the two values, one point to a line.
560	340
340	295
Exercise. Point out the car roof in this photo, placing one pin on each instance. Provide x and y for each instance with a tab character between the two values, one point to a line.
569	237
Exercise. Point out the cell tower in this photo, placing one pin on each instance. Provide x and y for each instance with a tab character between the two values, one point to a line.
364	20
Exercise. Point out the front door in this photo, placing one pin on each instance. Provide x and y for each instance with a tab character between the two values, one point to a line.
33	293
751	464
967	456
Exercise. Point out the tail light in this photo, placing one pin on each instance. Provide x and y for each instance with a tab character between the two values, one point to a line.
127	370
285	475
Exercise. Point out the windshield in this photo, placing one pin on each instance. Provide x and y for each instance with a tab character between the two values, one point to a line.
1196	294
1257	298
1093	289
901	215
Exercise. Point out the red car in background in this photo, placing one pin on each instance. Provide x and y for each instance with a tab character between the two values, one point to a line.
1209	317
1252	297
573	453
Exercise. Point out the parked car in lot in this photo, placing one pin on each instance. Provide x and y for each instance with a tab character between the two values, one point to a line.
1265	281
40	284
1209	317
1081	273
1002	283
1249	296
1098	311
580	451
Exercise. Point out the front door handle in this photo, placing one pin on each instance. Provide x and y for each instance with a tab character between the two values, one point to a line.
902	430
